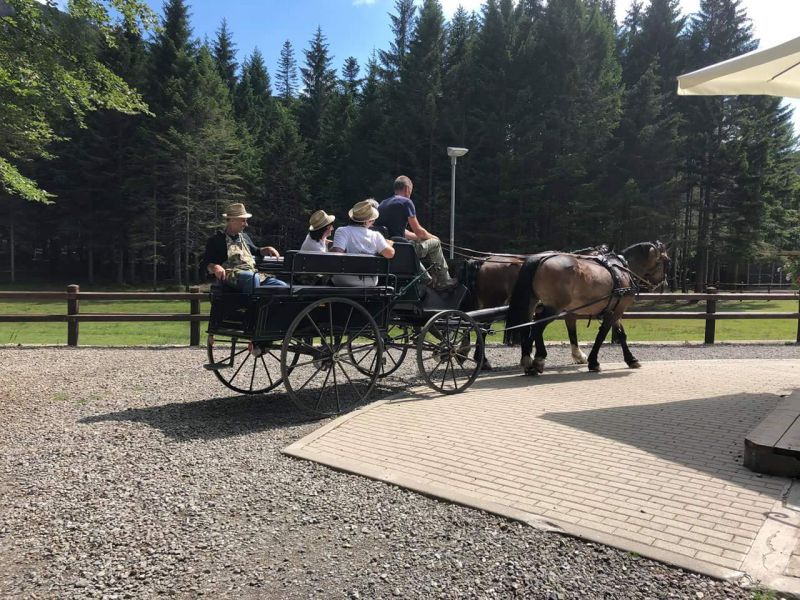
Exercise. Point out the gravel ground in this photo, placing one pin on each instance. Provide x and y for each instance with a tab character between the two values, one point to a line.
134	473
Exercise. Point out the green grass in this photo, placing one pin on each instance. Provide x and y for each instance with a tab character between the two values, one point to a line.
134	334
99	334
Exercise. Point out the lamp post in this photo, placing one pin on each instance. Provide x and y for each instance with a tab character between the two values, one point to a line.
453	153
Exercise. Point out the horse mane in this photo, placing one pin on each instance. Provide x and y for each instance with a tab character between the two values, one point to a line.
520	301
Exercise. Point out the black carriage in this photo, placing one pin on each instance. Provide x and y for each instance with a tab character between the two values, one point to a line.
329	345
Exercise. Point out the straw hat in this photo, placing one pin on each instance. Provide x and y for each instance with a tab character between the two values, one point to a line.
363	211
320	219
235	211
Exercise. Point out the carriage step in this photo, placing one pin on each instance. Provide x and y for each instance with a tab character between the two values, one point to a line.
217	366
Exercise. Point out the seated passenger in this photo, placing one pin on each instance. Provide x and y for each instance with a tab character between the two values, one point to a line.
320	227
230	254
358	238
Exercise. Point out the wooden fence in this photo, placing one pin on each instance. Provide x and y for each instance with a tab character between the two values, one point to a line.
74	317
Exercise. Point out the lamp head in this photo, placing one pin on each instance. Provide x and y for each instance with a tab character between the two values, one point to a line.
456	152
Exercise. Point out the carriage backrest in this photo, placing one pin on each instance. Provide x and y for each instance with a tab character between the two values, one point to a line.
333	263
405	263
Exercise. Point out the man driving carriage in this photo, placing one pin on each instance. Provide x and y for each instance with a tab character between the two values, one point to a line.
230	254
398	212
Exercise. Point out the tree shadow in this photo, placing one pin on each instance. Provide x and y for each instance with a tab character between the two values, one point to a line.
221	417
705	434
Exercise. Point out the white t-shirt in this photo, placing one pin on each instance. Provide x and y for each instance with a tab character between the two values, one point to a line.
312	245
355	239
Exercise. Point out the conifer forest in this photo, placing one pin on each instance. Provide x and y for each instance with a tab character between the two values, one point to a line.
123	136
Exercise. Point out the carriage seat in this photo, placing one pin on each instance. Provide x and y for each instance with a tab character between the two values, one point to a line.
334	263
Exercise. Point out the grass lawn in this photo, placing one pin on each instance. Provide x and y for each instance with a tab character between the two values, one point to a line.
124	334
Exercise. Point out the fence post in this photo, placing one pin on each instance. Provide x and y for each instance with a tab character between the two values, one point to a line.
72	309
711	308
194	309
798	324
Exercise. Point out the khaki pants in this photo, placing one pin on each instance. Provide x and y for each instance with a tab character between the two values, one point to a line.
430	253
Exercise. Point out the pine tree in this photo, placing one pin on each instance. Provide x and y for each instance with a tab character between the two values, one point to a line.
225	55
421	82
719	31
286	85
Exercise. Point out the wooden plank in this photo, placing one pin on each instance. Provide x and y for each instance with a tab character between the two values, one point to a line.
33	296
126	317
141	296
634	314
33	318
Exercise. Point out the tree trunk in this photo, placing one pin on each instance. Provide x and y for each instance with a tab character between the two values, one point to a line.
119	260
155	240
90	261
131	265
12	248
187	279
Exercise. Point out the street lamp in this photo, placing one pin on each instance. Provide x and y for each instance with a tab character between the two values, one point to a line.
453	153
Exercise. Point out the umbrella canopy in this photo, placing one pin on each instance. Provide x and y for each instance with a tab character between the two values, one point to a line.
770	72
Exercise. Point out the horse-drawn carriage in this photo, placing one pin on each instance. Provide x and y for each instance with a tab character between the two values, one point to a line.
328	345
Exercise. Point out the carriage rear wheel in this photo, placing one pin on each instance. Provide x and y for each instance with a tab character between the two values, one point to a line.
339	347
446	351
243	366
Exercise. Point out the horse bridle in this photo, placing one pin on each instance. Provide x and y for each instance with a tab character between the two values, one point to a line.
646	283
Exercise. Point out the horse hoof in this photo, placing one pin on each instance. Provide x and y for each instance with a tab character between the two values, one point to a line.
538	365
486	367
532	373
594	368
634	364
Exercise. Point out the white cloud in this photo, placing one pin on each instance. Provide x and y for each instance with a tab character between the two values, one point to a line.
450	6
363	2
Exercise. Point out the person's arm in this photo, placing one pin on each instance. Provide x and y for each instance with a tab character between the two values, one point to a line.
385	247
339	241
210	258
417	231
269	251
387	252
335	249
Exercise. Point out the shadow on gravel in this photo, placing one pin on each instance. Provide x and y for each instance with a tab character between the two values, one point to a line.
222	417
705	434
214	418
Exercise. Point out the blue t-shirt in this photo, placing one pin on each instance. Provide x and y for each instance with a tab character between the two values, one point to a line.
394	214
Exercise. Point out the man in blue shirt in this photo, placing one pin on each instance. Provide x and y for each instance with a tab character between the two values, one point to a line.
396	214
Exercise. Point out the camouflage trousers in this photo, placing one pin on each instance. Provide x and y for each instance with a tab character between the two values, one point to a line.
430	254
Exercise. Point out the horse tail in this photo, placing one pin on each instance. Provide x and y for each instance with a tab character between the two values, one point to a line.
469	277
520	302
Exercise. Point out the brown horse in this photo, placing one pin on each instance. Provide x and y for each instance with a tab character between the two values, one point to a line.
492	282
580	286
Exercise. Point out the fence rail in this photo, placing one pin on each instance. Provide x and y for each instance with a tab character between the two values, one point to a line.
73	317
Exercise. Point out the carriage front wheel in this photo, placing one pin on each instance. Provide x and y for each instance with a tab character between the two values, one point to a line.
446	351
338	351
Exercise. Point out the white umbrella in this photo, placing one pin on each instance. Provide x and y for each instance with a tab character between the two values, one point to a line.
770	72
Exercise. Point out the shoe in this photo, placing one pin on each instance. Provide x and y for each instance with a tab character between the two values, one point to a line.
448	286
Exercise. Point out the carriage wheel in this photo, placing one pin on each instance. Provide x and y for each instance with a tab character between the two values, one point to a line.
244	367
339	347
395	348
446	350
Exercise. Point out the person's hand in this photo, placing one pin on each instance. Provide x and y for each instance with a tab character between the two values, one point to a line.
390	242
218	272
270	251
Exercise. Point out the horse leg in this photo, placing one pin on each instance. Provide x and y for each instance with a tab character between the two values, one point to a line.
578	357
527	347
480	358
538	338
622	338
594	365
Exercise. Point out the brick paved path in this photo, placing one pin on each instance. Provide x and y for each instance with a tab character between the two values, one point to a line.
647	460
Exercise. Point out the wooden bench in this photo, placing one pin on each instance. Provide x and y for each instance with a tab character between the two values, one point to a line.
773	446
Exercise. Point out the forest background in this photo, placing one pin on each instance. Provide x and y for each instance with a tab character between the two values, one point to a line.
123	139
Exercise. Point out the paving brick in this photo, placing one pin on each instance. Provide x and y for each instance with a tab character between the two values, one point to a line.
626	457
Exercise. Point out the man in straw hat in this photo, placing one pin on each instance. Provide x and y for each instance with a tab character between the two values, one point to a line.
396	214
320	226
358	238
230	254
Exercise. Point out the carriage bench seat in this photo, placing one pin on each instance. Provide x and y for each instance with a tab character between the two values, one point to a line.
773	446
323	291
334	263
